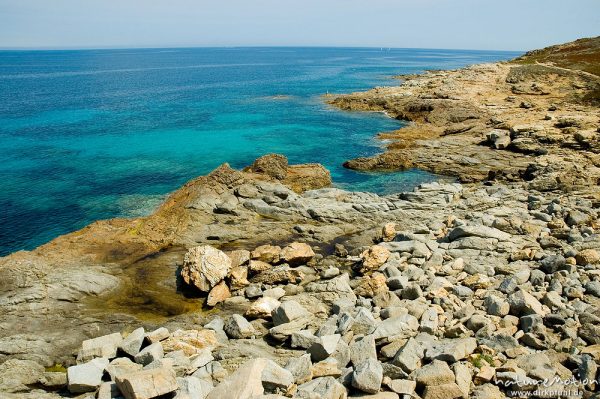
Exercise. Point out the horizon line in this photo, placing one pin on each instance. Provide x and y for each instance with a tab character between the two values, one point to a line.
93	48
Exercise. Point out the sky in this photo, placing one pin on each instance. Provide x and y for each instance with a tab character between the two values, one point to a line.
456	24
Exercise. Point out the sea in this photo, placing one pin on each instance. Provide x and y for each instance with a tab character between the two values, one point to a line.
95	134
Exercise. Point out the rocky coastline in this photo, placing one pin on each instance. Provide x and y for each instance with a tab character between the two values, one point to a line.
269	283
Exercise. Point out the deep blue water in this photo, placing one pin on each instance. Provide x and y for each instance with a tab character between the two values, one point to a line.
94	134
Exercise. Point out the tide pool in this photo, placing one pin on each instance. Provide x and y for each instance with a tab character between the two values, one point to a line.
95	134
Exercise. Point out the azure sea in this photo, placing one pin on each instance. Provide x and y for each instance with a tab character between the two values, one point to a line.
95	134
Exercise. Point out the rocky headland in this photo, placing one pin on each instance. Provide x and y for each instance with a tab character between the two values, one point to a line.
269	283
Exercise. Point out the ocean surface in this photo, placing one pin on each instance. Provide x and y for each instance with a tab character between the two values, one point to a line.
94	134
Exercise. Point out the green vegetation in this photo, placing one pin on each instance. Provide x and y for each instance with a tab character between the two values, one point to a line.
57	368
582	54
478	360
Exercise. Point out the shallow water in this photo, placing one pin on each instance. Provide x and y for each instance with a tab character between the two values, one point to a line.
88	135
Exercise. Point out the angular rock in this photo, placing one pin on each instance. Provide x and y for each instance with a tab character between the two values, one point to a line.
303	339
523	303
132	343
276	377
204	267
409	356
244	383
451	350
149	354
289	311
435	373
401	327
147	384
300	367
157	335
238	327
86	377
105	346
120	366
373	258
192	388
238	277
367	376
324	347
362	349
323	388
218	294
445	391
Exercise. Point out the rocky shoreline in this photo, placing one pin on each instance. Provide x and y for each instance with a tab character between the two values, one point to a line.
267	282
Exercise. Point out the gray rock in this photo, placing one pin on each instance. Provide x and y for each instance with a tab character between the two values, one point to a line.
403	387
253	291
324	347
499	342
451	350
551	264
367	376
288	311
283	331
192	388
588	370
435	373
363	349
323	388
429	321
86	377
300	367
149	354
409	356
244	383
303	339
523	303
276	377
396	327
238	327
496	306
109	390
201	359
132	343
593	288
120	366
412	291
105	346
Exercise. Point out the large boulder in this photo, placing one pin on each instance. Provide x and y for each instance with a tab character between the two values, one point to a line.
147	384
205	266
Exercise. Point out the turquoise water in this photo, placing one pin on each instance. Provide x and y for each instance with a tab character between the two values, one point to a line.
88	135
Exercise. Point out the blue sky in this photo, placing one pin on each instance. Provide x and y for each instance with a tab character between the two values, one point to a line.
466	24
